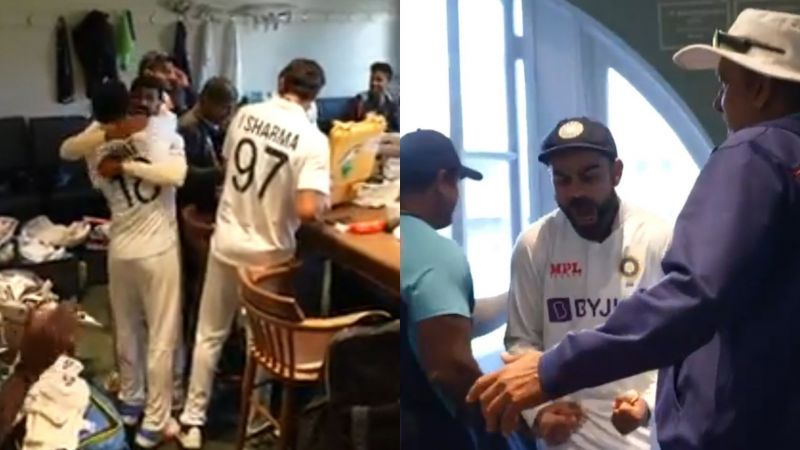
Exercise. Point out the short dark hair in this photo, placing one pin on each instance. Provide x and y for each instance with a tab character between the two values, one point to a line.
382	67
303	78
152	60
219	90
110	101
147	82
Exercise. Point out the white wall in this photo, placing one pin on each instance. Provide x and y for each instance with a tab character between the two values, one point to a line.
344	46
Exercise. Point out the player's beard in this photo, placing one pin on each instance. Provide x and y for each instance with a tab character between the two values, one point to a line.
604	215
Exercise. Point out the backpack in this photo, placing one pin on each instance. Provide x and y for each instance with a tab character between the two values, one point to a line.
360	409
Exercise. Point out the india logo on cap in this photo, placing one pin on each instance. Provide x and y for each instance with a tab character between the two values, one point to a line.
570	130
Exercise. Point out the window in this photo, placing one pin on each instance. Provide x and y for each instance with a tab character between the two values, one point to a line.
483	75
522	133
487	217
426	94
426	98
653	154
489	205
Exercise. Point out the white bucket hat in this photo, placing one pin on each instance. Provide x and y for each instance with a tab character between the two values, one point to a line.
766	42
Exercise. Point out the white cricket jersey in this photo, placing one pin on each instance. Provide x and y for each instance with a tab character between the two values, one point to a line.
561	282
272	151
143	215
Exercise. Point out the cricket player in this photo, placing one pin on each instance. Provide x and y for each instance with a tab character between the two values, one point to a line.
277	175
146	109
568	272
138	177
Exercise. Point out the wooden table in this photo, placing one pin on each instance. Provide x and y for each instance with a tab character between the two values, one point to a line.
376	257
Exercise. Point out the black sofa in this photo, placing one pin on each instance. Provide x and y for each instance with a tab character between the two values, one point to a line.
33	178
330	109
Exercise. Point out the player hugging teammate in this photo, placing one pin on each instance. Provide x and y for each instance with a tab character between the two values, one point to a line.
138	176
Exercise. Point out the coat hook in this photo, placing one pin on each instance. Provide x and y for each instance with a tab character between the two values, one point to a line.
29	20
152	19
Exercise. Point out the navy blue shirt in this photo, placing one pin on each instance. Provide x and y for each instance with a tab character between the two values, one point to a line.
723	322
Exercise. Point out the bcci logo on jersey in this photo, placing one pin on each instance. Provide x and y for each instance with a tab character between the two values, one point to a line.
564	309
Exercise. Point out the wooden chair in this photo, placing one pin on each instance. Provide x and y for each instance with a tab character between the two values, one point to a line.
289	346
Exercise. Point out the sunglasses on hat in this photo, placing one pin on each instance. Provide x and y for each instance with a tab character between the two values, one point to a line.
740	44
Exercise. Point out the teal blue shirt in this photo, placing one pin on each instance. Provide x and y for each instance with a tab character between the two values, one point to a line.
435	278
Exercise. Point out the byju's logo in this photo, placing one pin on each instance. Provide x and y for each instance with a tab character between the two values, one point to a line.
559	309
565	269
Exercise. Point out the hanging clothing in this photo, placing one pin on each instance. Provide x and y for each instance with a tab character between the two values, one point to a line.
126	40
204	54
231	67
65	78
179	53
94	44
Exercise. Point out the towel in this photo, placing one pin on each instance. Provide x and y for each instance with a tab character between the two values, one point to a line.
125	40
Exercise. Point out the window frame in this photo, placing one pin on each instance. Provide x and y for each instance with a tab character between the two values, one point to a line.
511	155
609	51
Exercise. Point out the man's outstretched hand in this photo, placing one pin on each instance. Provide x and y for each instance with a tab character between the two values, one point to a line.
505	393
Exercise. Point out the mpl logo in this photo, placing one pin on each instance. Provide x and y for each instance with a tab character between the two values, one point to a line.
565	269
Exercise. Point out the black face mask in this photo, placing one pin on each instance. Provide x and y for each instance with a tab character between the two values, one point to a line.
606	213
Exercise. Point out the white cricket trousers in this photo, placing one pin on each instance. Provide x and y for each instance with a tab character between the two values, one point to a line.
146	306
219	304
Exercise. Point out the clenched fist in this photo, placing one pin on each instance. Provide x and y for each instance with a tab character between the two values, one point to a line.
630	412
556	422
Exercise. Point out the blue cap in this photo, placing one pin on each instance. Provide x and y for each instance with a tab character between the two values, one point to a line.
578	133
423	153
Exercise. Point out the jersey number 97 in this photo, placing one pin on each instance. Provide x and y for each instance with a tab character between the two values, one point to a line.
245	159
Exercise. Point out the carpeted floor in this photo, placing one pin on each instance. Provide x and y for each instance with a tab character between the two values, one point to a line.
95	348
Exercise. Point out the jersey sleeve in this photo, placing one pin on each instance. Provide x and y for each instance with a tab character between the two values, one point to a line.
84	143
315	167
525	329
177	146
165	173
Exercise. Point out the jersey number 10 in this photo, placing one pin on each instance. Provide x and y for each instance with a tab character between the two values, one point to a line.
137	193
246	170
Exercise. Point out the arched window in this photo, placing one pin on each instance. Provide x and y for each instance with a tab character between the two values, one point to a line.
652	153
